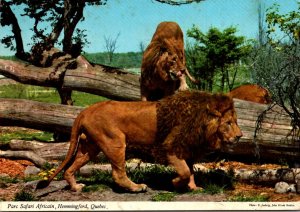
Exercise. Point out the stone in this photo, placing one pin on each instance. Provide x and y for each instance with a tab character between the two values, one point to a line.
31	170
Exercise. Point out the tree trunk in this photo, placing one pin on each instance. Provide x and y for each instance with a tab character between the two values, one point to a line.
77	75
274	141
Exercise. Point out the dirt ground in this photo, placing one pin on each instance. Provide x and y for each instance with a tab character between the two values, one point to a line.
15	168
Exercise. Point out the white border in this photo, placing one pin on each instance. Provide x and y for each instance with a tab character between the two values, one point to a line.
129	206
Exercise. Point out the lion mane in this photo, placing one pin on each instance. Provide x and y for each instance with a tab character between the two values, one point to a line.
193	112
164	65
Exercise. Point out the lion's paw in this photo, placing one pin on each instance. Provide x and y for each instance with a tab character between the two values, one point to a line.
140	188
196	188
183	87
78	187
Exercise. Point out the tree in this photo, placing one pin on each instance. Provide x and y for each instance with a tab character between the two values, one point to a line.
111	46
261	23
277	66
142	46
221	49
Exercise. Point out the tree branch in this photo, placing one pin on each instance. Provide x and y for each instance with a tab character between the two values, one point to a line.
178	2
9	18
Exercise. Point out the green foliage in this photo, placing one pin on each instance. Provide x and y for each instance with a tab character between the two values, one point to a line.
122	60
276	65
43	94
288	23
213	189
248	198
98	177
163	196
24	196
9	180
24	135
215	52
215	180
155	176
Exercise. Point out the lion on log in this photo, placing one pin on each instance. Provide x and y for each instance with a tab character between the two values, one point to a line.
174	131
252	93
163	65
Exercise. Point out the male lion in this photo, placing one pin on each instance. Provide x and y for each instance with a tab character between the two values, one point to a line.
252	93
163	66
174	131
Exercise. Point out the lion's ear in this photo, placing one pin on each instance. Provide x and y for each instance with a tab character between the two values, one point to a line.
213	111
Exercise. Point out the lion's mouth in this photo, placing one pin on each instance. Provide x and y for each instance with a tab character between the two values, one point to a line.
174	75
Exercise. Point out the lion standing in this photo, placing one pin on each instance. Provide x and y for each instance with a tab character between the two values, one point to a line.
164	66
174	130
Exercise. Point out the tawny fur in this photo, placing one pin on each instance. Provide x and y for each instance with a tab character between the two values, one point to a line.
173	131
252	93
163	68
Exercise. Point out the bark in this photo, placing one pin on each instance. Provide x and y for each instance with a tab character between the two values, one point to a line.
48	151
9	18
27	155
76	74
274	141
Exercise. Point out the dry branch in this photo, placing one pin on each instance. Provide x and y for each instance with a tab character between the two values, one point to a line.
27	155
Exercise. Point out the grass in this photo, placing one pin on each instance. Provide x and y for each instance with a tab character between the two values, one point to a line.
24	196
244	198
163	196
48	95
4	180
213	189
5	137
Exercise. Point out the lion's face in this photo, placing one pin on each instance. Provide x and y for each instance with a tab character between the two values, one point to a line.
229	131
171	65
223	129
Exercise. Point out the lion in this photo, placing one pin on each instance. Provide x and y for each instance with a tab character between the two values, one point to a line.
252	93
163	67
175	131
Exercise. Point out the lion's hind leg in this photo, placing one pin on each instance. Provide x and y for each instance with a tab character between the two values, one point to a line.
86	152
114	149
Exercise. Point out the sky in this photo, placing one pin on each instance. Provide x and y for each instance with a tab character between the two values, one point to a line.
136	20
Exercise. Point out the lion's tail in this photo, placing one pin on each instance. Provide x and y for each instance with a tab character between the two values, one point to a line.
74	141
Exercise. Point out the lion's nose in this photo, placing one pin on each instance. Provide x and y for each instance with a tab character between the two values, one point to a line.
239	136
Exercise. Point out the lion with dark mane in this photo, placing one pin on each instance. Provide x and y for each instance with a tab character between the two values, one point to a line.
163	66
175	131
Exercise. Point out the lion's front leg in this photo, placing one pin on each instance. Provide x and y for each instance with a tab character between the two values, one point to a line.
183	171
192	185
115	152
183	85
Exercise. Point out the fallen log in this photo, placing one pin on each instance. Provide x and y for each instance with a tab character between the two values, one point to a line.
77	74
26	155
274	141
48	151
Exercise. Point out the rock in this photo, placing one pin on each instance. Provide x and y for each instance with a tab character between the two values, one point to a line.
31	170
283	187
292	188
3	175
52	187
